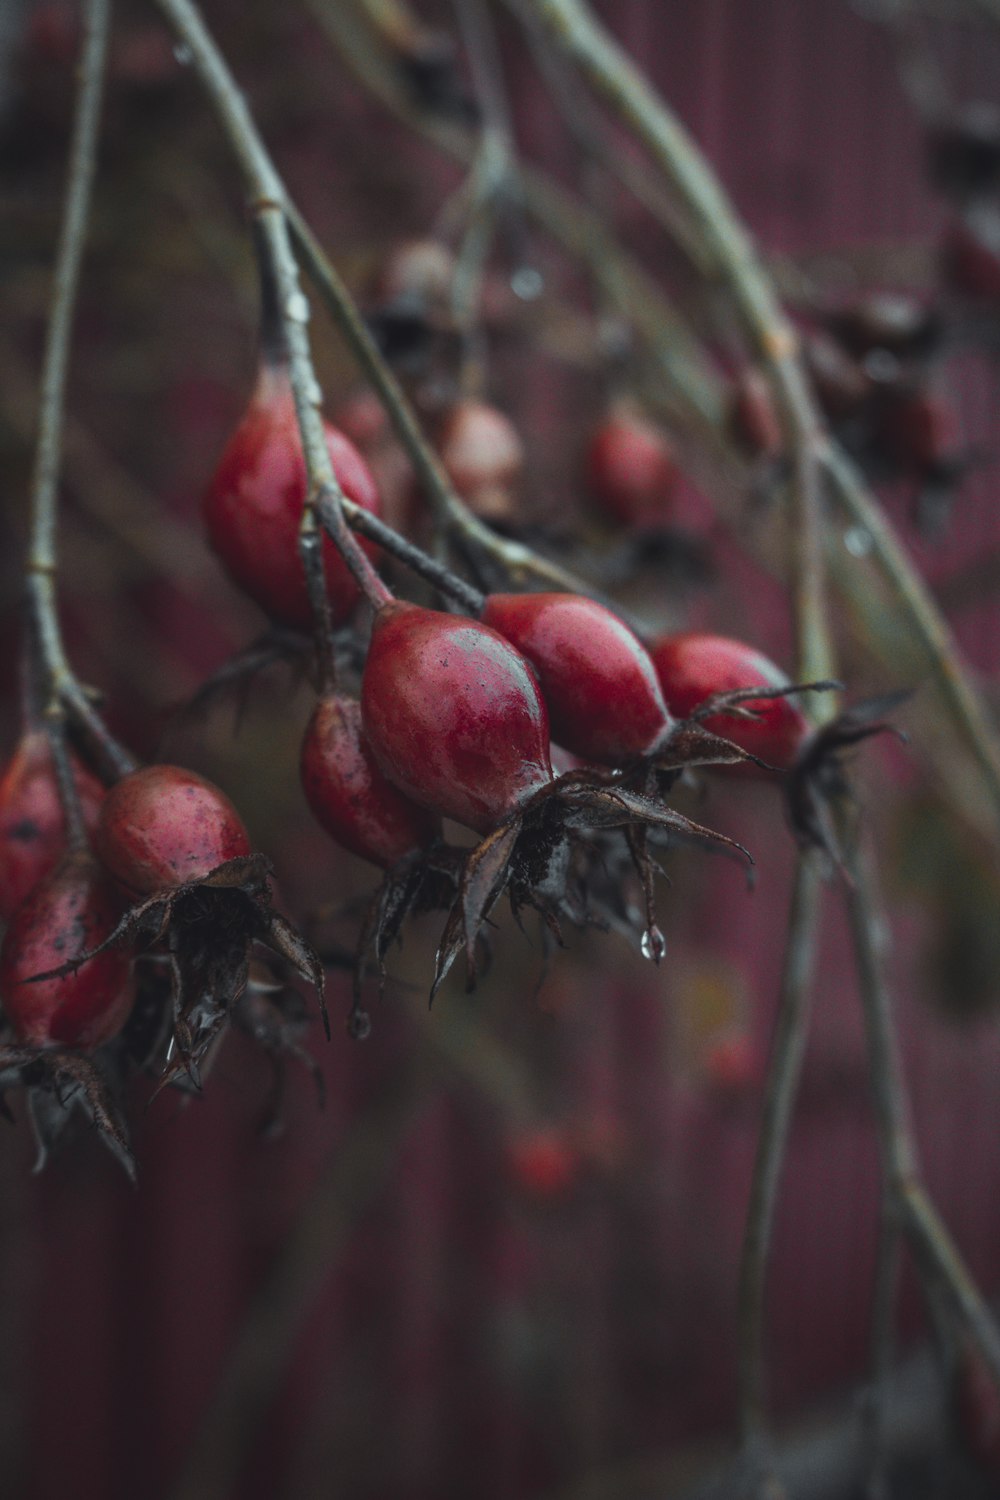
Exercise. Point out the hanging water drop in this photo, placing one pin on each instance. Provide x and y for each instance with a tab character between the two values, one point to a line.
653	944
359	1025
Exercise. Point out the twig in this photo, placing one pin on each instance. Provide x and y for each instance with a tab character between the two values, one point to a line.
435	573
935	1253
875	1400
290	306
491	178
43	639
923	614
787	1050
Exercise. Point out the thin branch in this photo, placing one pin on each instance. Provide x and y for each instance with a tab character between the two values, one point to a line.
936	1256
413	557
44	647
925	619
268	196
784	1070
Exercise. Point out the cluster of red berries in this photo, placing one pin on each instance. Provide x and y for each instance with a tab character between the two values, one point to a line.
539	721
166	862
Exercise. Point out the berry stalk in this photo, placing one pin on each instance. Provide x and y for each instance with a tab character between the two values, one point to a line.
46	664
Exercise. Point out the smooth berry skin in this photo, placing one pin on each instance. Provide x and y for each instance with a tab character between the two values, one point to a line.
163	826
253	506
69	912
631	471
598	682
350	795
693	667
454	715
32	826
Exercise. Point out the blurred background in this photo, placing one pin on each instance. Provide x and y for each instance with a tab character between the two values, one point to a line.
501	1261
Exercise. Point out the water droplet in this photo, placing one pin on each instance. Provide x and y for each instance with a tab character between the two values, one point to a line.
527	283
183	54
858	541
359	1025
653	944
297	308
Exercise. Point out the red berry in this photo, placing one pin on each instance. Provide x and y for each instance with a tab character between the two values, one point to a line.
253	506
69	912
349	794
544	1162
454	715
693	667
483	454
599	684
970	254
163	826
32	826
631	470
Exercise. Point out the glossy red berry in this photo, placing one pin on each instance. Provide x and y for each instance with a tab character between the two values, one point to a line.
163	826
599	684
631	470
693	667
482	451
69	912
253	506
32	826
349	793
454	715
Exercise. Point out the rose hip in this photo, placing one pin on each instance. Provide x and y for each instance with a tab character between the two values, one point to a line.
350	795
254	502
599	684
454	715
32	826
70	911
693	667
164	826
